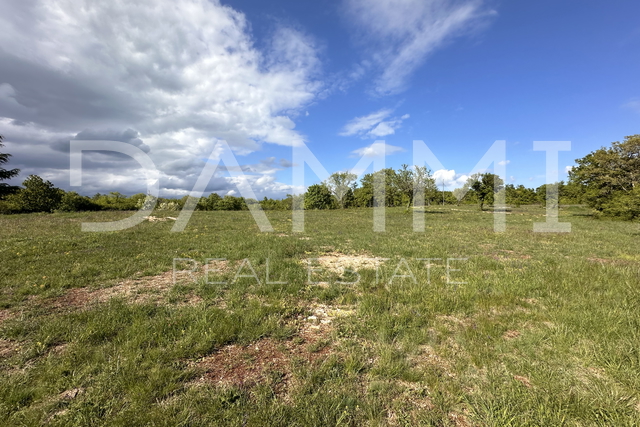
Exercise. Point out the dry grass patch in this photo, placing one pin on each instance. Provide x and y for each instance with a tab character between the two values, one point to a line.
428	358
5	315
151	218
147	289
8	348
523	380
337	262
512	334
460	420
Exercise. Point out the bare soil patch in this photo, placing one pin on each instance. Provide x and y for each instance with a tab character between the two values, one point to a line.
269	360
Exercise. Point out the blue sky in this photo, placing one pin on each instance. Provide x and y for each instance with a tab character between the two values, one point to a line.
334	75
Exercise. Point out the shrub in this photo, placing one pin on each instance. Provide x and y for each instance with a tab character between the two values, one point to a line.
74	202
318	196
37	195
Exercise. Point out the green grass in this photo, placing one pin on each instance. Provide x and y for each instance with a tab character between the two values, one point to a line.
546	330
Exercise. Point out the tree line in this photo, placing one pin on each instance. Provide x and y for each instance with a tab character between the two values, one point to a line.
606	180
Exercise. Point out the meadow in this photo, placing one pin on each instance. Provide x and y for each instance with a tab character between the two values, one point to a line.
523	328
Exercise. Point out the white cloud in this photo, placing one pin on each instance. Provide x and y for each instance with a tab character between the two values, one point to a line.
504	162
568	169
634	104
184	75
377	149
450	178
374	125
402	33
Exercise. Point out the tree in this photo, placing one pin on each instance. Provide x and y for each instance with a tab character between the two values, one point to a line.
6	189
416	182
460	193
318	196
485	185
37	195
520	195
340	184
610	177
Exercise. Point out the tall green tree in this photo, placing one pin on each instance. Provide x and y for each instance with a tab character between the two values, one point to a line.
414	182
341	185
365	195
485	185
318	196
610	178
5	174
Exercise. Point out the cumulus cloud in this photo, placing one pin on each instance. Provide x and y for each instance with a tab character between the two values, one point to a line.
170	78
504	162
373	125
377	149
450	178
568	169
401	34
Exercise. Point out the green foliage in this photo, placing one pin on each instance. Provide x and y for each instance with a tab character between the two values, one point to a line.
116	201
417	182
209	203
231	203
365	195
485	186
623	205
609	177
520	195
37	195
318	196
74	202
227	203
285	204
341	185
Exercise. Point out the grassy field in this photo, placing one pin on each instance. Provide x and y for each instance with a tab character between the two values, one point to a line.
545	329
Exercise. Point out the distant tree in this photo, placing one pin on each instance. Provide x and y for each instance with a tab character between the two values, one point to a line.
318	196
232	203
117	201
341	184
366	195
520	195
485	185
460	193
412	182
6	189
610	178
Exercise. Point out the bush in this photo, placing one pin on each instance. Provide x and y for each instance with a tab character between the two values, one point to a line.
623	205
318	196
74	202
116	201
37	195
